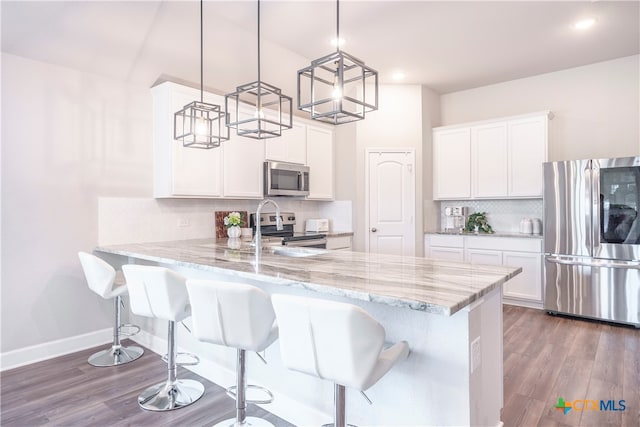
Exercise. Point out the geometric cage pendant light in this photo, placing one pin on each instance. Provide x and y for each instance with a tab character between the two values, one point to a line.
200	124
337	88
259	110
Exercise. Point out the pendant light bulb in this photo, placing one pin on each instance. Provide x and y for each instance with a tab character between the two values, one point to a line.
201	126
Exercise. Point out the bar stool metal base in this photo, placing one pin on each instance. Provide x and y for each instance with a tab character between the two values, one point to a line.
116	355
249	421
168	396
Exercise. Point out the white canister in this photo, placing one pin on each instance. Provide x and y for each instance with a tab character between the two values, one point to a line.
526	226
537	225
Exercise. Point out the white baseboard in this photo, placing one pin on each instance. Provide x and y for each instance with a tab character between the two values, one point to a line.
282	406
37	353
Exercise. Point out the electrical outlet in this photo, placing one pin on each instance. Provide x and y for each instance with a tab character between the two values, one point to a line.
476	354
183	222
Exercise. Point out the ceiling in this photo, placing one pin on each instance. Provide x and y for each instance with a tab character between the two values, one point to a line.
448	45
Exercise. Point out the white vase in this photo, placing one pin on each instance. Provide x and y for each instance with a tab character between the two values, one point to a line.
233	232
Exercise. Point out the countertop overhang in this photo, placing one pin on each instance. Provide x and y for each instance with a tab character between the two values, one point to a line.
423	284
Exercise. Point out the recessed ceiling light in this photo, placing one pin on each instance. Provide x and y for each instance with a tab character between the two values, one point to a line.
337	42
583	24
397	76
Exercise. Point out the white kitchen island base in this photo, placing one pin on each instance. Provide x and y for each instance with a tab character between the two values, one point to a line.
452	377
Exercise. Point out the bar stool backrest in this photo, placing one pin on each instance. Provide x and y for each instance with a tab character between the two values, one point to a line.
157	292
335	341
231	314
100	275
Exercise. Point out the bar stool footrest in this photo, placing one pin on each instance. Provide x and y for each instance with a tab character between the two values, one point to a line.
231	392
123	329
249	421
195	360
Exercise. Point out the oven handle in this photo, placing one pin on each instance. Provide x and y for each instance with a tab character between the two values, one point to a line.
318	243
591	262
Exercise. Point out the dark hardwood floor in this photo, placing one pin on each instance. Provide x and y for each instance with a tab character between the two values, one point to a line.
545	357
67	391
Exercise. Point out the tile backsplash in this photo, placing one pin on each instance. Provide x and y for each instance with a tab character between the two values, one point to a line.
137	220
503	215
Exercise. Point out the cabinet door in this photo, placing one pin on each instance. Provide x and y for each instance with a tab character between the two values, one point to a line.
449	254
339	242
195	172
527	152
452	164
528	284
243	167
482	256
320	162
489	160
289	147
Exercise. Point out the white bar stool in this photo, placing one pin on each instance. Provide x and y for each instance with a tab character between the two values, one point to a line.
160	293
238	316
335	341
101	278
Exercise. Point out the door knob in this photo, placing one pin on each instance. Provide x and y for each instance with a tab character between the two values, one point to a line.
373	230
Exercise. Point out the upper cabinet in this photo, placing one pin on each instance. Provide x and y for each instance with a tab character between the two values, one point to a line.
452	163
320	162
289	147
235	169
494	159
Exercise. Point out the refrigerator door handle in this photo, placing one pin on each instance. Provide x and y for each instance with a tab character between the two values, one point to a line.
592	262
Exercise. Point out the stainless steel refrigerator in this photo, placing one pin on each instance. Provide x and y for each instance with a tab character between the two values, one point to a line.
592	238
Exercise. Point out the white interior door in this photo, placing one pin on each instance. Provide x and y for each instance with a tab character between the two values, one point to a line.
391	202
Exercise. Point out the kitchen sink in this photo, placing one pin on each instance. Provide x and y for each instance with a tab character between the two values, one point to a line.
295	252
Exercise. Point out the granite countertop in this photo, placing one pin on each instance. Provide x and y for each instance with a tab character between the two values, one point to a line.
496	234
339	233
441	287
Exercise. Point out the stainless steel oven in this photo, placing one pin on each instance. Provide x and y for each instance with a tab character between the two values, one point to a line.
268	229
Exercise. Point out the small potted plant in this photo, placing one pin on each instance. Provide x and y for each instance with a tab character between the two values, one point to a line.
233	222
477	222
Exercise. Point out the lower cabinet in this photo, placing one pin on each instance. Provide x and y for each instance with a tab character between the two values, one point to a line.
524	289
339	242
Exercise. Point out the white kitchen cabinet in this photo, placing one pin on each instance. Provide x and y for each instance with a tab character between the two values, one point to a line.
526	286
290	147
493	159
444	247
320	162
339	243
484	256
527	151
524	289
180	171
243	171
233	170
452	163
489	160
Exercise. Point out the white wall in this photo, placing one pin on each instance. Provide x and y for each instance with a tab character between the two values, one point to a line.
77	171
430	119
67	137
396	124
596	107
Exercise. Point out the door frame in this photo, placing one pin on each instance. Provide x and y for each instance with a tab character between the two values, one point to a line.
367	172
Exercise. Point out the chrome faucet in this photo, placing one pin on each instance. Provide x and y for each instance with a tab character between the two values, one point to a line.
258	235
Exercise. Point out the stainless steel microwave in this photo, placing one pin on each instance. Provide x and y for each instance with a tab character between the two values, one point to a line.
285	179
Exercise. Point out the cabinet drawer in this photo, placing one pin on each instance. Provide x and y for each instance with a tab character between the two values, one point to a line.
505	243
339	242
445	240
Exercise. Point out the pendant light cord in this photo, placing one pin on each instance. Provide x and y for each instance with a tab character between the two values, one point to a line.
201	57
259	41
337	25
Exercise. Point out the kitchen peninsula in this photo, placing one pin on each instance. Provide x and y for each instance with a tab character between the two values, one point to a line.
449	312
